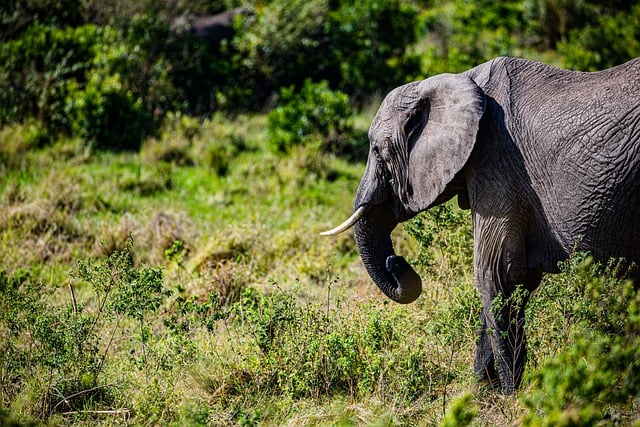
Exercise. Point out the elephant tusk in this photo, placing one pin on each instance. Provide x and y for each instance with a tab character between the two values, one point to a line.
357	215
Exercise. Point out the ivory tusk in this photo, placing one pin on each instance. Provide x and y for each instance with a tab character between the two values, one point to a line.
357	215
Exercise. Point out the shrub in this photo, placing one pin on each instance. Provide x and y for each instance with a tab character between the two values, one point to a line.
464	34
72	80
315	112
89	81
310	351
370	42
358	47
597	375
305	352
106	113
611	40
53	356
18	15
445	237
38	66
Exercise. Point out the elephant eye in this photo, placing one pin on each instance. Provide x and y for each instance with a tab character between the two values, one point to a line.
376	150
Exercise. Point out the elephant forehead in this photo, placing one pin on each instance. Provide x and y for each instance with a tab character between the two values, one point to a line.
393	112
378	126
402	99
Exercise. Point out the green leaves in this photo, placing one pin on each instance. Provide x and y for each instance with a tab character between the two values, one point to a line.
65	345
596	374
78	81
609	40
315	113
120	287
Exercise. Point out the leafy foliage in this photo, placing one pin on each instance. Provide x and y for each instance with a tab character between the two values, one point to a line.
109	73
445	237
63	359
314	112
597	376
313	352
16	16
74	80
610	40
358	47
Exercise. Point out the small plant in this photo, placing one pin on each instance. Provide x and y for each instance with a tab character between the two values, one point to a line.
55	355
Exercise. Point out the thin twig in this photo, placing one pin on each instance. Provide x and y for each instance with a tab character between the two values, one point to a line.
66	399
73	298
106	350
144	351
125	412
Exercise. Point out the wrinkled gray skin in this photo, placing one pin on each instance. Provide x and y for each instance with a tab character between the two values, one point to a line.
548	161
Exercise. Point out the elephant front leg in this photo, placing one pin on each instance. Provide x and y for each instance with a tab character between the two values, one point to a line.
484	361
504	283
503	334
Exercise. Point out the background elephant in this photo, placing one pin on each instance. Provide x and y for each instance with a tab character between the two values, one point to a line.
548	161
212	29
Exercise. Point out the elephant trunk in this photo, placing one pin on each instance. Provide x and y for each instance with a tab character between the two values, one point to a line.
391	273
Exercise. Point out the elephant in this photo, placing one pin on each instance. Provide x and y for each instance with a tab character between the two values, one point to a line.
212	29
546	159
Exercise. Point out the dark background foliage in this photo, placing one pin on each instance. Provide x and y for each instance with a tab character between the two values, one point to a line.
110	71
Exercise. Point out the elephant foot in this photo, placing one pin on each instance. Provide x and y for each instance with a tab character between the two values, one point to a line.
485	371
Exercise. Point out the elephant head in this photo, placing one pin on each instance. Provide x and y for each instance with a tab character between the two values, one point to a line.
421	138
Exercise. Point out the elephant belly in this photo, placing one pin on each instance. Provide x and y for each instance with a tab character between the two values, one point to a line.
603	222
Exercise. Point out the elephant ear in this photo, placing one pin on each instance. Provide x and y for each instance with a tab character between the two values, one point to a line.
440	131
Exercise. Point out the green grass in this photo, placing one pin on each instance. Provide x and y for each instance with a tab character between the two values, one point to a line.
187	285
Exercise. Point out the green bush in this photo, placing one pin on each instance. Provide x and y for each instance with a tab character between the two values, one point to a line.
358	47
596	374
370	42
38	67
107	114
315	113
53	357
611	40
445	238
16	16
75	80
309	352
464	34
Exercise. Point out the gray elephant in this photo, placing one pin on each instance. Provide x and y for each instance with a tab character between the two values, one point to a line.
212	29
548	161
